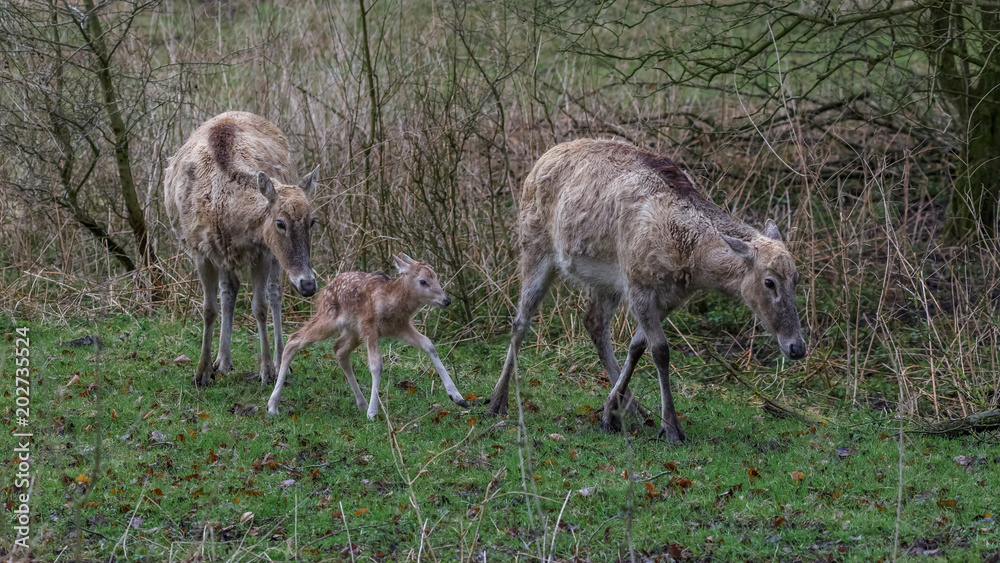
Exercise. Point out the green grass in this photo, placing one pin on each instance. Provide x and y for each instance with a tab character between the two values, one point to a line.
320	470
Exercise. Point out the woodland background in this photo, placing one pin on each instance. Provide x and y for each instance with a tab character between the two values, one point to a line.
867	129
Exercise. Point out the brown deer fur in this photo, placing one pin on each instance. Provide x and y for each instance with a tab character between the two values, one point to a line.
362	307
231	199
626	223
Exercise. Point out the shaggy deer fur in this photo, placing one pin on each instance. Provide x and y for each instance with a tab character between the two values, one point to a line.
231	200
364	307
626	223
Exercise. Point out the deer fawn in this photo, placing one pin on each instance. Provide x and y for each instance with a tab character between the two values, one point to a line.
230	199
363	307
626	223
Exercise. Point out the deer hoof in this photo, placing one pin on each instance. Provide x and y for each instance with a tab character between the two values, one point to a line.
223	365
202	379
613	426
671	434
272	409
460	402
497	405
266	374
496	410
610	422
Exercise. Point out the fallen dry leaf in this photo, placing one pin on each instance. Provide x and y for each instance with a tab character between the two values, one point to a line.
182	360
798	476
844	451
557	437
353	549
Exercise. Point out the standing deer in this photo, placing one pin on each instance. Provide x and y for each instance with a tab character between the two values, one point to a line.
231	200
626	223
363	307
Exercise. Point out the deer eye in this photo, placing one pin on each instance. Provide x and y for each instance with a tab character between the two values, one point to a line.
423	282
280	224
769	283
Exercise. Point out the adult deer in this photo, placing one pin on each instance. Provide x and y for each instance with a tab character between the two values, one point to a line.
232	201
626	223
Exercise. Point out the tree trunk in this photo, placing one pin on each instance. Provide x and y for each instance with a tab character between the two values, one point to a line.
61	134
136	218
973	209
972	212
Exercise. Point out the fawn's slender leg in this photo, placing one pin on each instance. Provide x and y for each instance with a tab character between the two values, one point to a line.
343	348
413	337
375	367
315	330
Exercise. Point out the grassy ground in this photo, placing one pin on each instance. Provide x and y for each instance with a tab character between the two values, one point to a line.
154	469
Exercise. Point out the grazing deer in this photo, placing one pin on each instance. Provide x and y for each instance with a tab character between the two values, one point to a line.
626	223
364	307
231	200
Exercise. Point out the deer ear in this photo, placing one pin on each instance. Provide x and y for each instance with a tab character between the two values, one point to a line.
266	187
308	182
771	230
407	258
738	246
400	263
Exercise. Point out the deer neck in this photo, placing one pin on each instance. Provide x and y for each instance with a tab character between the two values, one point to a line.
728	271
399	301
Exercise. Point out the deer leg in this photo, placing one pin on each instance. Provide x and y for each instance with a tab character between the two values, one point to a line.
648	317
536	277
314	331
417	340
274	300
260	274
343	348
209	276
670	426
620	395
636	348
229	286
598	324
375	367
